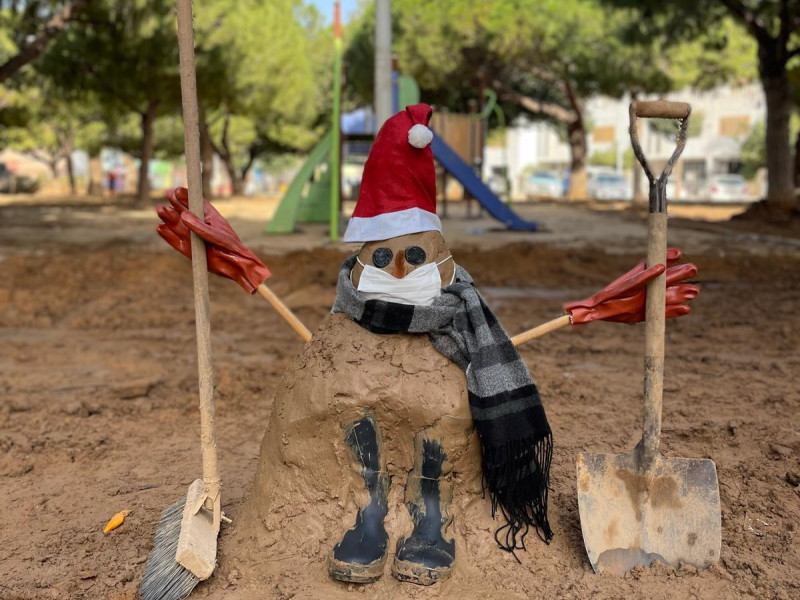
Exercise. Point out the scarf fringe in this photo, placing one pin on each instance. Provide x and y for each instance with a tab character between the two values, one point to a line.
517	476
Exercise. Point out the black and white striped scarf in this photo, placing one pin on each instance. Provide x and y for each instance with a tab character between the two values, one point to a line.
516	440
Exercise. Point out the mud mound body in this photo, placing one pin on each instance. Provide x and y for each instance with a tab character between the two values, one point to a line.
308	488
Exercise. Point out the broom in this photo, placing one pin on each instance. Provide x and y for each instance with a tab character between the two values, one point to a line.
185	548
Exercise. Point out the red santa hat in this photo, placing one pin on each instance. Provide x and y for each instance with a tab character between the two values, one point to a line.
398	187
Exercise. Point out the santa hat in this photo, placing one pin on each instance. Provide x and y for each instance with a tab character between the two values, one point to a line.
398	187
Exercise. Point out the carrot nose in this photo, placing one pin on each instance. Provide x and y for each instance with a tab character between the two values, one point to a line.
399	270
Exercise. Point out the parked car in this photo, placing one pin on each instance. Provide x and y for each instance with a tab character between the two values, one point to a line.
16	184
725	188
6	179
609	186
544	183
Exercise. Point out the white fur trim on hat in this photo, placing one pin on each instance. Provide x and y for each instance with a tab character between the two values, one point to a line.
419	136
389	225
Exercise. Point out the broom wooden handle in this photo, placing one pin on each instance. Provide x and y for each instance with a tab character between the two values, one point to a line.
191	128
285	312
531	334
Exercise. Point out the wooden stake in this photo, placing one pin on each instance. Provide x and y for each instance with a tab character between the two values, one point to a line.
197	545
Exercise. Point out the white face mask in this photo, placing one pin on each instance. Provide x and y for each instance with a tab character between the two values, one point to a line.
422	286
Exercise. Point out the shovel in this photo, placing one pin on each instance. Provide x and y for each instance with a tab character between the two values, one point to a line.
643	507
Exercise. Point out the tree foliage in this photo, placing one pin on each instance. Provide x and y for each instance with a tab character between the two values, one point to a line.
125	53
263	70
264	66
773	27
48	126
261	92
544	58
27	27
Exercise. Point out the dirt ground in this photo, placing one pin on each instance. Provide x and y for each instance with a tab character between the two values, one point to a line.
99	391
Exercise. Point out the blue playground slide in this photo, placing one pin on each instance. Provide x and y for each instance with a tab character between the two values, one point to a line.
454	165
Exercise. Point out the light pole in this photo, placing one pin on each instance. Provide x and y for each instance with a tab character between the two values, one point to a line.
383	62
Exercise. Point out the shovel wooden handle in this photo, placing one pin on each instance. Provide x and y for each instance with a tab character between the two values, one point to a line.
285	312
654	340
655	318
531	334
191	128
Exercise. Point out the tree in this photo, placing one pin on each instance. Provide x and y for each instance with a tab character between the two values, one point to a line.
32	26
754	148
542	57
794	86
573	48
126	54
774	25
47	125
260	93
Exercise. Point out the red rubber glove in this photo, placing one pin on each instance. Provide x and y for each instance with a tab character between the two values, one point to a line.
623	300
227	255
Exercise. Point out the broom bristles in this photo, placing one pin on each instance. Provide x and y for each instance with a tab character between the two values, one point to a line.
164	578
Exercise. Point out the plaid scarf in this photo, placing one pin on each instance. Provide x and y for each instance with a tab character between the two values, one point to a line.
516	441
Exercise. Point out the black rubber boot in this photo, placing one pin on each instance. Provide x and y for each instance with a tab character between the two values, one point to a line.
425	557
361	554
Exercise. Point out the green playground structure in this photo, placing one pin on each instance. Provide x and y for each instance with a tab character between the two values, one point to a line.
307	200
312	196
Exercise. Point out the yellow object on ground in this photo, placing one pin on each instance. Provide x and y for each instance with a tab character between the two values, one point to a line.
116	521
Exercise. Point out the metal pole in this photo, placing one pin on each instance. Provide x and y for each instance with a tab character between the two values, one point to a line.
620	128
335	141
383	62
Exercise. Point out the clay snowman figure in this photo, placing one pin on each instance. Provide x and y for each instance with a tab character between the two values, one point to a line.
409	427
394	286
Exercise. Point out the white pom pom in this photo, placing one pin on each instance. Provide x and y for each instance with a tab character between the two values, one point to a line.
419	136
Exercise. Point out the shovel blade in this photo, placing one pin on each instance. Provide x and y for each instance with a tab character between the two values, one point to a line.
669	513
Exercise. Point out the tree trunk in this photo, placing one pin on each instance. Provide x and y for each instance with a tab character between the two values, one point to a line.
576	138
52	162
148	117
207	157
95	175
73	188
67	147
797	161
779	157
577	146
237	184
34	45
250	162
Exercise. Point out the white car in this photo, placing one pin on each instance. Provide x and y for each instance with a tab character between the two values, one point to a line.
609	186
544	184
725	188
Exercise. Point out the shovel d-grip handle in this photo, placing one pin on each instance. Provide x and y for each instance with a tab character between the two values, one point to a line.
661	109
655	319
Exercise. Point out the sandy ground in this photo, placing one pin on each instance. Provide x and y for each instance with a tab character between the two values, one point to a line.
99	390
